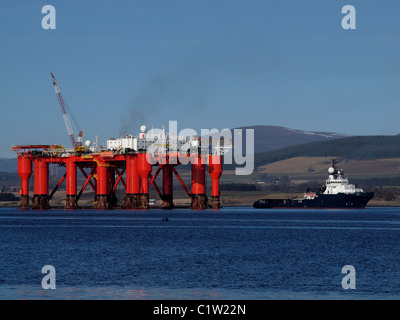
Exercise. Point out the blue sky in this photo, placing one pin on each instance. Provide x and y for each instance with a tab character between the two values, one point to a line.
207	64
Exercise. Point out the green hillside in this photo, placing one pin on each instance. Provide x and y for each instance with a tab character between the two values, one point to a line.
355	148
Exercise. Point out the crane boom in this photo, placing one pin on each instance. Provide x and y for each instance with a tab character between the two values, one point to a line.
65	115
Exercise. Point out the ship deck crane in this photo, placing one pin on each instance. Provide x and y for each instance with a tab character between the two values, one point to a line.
76	144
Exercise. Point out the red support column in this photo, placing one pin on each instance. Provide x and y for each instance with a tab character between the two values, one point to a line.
71	200
24	172
112	199
132	197
41	194
102	187
144	169
199	199
215	171
167	197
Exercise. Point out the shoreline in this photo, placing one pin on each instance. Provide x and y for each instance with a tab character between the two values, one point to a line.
374	204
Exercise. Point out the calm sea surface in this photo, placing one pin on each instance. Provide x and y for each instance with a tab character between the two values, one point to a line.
233	253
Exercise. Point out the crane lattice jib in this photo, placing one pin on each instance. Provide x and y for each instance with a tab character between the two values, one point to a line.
64	112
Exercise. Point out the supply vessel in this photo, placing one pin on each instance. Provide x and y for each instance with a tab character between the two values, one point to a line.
337	193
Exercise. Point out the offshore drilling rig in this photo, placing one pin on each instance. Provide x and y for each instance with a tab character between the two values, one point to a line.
129	161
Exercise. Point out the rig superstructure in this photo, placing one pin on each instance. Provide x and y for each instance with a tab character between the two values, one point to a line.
129	161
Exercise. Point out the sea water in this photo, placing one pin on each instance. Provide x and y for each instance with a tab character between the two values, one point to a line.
232	253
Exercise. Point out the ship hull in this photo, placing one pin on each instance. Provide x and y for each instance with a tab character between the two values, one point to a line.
321	201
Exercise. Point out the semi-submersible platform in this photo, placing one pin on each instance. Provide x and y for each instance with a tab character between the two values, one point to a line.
129	161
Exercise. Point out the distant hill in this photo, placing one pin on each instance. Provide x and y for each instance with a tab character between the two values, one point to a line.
269	138
356	148
8	165
316	168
